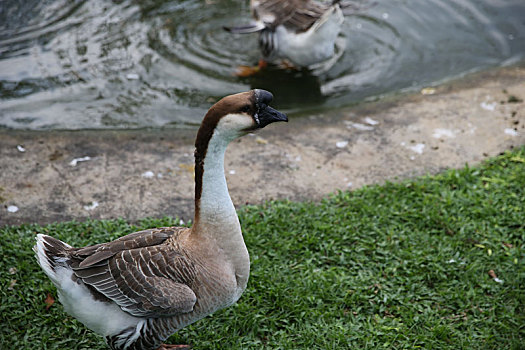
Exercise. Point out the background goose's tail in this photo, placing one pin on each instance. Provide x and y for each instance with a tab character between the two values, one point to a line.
52	255
253	27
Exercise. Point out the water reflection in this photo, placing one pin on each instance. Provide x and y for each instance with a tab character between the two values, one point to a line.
113	64
293	88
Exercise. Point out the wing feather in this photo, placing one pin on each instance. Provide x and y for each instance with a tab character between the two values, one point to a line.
297	15
139	272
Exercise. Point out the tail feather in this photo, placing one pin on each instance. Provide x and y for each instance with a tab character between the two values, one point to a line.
253	27
51	253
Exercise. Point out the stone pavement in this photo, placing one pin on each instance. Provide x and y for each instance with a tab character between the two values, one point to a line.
65	175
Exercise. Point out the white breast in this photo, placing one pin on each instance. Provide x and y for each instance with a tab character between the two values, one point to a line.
313	46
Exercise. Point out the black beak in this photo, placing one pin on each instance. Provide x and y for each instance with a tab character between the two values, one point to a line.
265	114
270	115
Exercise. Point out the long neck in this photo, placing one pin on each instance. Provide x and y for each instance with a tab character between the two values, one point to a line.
216	220
213	205
215	214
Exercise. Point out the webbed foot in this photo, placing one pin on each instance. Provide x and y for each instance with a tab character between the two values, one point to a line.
248	71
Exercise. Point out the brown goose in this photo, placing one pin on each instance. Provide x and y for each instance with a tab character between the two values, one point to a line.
139	289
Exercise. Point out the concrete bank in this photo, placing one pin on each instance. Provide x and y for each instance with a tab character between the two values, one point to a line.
56	176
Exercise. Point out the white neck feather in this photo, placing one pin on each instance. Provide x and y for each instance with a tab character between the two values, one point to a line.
217	218
216	207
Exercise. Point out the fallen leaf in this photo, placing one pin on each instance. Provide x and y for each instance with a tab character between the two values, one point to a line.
261	141
49	301
428	91
494	277
56	155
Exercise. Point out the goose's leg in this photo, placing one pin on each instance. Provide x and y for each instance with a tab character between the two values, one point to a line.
248	71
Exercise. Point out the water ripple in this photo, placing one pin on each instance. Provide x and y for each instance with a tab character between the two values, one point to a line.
128	64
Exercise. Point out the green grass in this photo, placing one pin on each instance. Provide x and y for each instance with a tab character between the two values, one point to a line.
398	266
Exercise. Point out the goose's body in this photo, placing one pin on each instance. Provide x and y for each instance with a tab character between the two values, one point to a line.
300	31
139	289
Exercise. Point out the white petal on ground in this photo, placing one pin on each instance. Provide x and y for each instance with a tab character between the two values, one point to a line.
488	106
359	126
511	132
148	174
91	206
439	133
75	161
370	121
12	208
418	148
341	144
133	76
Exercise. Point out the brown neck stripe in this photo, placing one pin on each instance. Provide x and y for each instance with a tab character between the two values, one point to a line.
229	104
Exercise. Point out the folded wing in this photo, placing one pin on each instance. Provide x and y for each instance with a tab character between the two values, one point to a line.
139	272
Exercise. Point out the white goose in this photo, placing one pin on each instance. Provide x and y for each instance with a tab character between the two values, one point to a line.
300	31
139	289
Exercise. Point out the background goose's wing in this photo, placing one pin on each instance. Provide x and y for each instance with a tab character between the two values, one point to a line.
139	273
297	15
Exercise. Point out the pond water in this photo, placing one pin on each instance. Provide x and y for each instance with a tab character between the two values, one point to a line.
67	64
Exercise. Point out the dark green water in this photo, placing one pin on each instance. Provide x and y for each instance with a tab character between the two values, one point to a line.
127	64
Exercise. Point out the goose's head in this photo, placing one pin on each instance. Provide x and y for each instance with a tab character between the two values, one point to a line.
236	115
